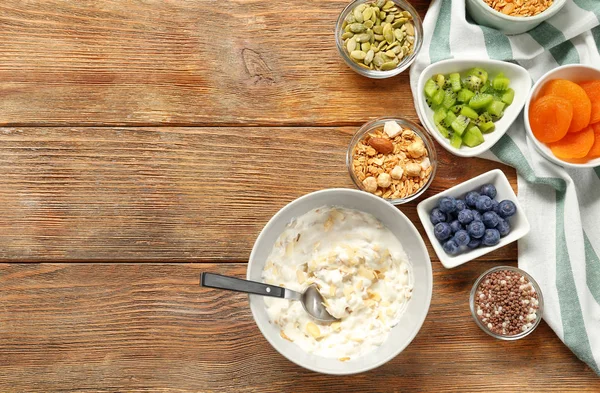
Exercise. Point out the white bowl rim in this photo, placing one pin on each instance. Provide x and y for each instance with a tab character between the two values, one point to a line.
385	205
551	157
426	121
546	14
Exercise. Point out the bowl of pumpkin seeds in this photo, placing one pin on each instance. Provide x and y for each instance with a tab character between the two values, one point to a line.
379	38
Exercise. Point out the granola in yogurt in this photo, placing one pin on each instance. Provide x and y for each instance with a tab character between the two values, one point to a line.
361	270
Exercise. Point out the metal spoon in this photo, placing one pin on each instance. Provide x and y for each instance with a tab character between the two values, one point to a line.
311	299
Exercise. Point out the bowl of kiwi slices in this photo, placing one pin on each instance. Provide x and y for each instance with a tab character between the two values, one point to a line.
467	105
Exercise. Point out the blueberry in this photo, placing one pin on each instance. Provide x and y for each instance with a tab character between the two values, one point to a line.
460	205
495	205
451	247
437	216
471	198
447	204
506	208
442	230
489	190
476	215
474	243
476	229
491	237
484	203
490	219
455	226
462	238
503	227
465	216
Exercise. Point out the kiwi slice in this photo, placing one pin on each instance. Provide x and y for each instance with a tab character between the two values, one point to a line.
508	96
438	98
473	137
449	98
460	124
456	109
439	115
500	83
472	83
487	88
456	141
484	117
449	119
480	101
440	80
464	95
468	112
430	88
443	130
495	108
455	82
479	73
487	127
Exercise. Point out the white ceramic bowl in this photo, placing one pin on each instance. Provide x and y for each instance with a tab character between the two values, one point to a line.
518	223
485	15
520	82
573	72
410	323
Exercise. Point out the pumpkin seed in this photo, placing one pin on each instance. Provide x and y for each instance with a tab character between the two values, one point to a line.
398	34
390	65
388	4
358	54
357	27
361	7
369	57
410	29
366	14
364	37
374	48
380	3
351	44
390	53
358	15
378	60
377	29
365	46
389	18
347	34
363	66
368	23
350	18
397	24
374	13
379	37
393	44
388	33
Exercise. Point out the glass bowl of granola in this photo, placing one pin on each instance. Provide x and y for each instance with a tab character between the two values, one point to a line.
392	158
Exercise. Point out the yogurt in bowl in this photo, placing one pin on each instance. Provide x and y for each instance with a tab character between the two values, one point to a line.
361	270
413	276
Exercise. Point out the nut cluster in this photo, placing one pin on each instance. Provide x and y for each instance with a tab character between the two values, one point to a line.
391	162
521	8
507	303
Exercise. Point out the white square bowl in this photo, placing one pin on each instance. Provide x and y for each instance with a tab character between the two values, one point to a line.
518	223
520	82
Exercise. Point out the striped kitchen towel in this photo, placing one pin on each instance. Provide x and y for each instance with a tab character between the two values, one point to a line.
563	205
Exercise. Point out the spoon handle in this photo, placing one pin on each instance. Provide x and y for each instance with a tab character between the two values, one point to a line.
218	281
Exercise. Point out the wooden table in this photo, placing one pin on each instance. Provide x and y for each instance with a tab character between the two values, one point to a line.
144	142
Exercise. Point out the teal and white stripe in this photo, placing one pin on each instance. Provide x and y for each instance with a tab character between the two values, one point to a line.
563	206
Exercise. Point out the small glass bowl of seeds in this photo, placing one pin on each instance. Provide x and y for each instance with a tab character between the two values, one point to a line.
392	158
379	38
506	303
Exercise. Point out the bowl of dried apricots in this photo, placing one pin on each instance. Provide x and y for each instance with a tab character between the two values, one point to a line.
562	116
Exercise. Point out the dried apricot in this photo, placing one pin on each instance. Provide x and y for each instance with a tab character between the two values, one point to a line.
592	88
582	106
595	150
574	145
550	118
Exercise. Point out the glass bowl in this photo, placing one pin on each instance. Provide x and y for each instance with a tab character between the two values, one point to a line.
375	74
539	311
379	123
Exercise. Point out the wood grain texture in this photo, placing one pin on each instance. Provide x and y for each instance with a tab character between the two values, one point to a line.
180	62
150	328
170	194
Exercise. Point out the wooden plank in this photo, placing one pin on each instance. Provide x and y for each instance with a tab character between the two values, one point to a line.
150	328
184	63
169	194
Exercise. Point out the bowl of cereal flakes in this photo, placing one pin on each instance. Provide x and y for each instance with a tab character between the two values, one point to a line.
392	158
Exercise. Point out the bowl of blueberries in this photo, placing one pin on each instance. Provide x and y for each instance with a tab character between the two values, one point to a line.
473	218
